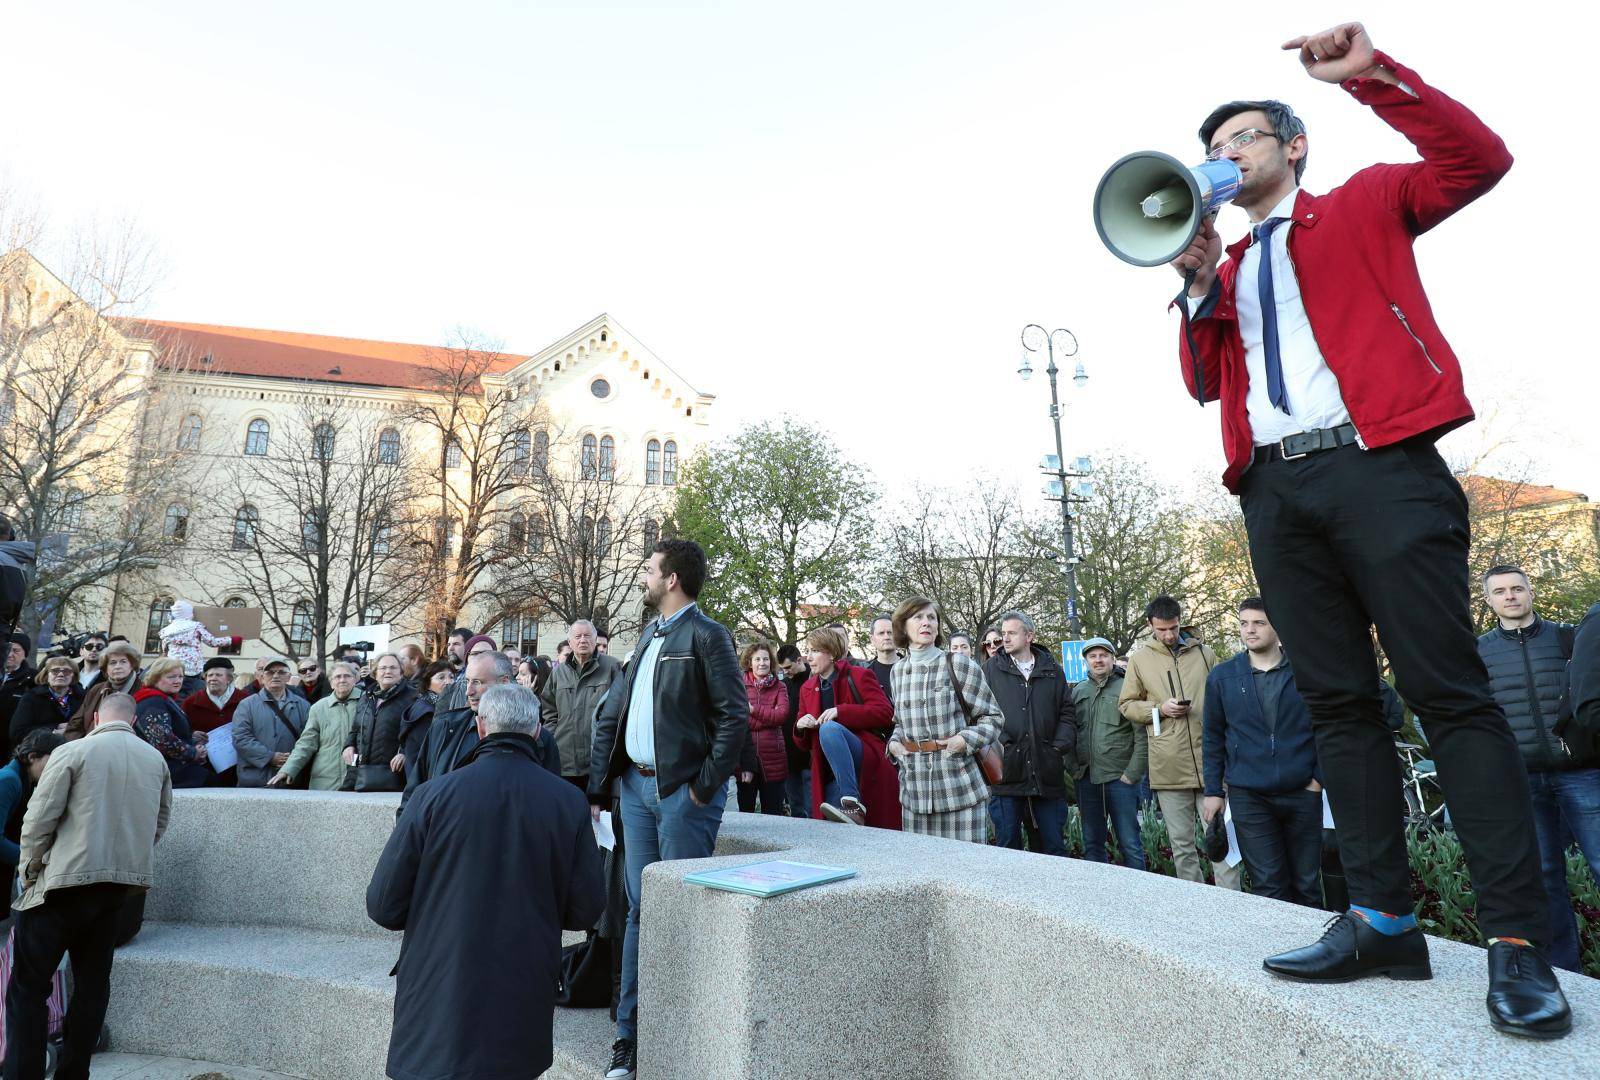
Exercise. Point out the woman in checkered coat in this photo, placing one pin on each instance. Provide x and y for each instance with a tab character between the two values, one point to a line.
942	791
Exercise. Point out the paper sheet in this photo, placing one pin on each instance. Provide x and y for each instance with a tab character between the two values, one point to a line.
219	748
1234	856
1327	810
603	834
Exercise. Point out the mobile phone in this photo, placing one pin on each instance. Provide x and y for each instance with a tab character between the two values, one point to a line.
1185	702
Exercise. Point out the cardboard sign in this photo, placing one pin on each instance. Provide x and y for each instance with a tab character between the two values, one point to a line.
242	622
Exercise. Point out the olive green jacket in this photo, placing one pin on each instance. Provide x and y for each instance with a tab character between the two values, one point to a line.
1110	746
321	744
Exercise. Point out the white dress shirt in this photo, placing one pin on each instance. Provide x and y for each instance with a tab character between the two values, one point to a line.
1314	398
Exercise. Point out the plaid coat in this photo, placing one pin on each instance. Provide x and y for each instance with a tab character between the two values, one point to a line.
926	707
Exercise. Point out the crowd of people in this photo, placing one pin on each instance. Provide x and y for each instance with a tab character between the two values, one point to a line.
982	738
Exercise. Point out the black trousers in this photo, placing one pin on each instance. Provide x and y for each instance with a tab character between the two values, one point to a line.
1280	837
1349	538
80	923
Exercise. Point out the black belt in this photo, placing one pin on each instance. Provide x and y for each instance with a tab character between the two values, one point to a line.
1291	447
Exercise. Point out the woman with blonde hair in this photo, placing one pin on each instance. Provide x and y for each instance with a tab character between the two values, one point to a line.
844	720
160	721
944	714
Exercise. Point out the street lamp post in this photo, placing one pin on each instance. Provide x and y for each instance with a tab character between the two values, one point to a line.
1057	466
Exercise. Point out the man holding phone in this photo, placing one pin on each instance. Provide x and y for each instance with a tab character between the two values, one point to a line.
1164	691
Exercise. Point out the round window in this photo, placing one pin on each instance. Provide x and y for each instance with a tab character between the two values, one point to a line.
600	388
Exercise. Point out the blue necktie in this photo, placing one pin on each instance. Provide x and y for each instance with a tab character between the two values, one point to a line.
1269	314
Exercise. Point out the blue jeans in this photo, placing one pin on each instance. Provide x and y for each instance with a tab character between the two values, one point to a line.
1008	812
798	789
842	748
657	829
1569	798
1121	801
1280	837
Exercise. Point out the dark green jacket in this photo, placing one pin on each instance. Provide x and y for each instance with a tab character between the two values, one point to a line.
1109	744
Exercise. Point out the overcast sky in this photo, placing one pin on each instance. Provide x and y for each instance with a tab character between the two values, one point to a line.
842	211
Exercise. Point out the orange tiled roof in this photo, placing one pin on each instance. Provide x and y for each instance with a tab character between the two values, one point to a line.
1490	494
283	354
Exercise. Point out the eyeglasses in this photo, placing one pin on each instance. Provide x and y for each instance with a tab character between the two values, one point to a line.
1244	139
308	670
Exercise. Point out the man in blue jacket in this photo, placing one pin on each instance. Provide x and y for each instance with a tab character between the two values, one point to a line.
1259	748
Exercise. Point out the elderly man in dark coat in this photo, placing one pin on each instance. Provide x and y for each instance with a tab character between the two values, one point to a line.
485	868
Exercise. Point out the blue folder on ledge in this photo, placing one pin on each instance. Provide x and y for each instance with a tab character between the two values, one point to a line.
769	878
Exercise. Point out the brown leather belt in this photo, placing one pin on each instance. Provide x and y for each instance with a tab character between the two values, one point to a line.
932	746
644	770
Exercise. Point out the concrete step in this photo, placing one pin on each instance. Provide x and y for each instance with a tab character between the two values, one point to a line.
305	1003
114	1066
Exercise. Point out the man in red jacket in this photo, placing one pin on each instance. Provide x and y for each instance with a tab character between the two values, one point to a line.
1335	381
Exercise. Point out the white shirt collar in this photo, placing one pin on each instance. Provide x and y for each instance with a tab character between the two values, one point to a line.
1284	209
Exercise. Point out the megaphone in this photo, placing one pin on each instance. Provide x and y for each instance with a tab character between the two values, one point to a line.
1149	206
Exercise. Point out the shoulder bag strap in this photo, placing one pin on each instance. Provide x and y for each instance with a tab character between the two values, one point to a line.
955	684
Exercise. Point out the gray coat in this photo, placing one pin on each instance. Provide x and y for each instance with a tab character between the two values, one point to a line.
259	732
568	705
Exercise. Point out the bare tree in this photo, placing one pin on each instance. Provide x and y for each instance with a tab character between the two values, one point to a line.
1221	572
322	528
575	539
977	552
86	470
1133	540
486	441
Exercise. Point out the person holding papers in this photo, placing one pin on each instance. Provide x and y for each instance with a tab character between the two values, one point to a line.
1261	760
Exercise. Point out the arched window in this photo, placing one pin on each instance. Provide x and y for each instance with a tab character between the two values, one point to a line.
541	452
603	538
189	432
176	526
602	616
311	530
652	535
322	442
255	438
245	520
66	508
587	461
585	536
8	406
388	447
652	461
382	535
160	615
608	458
300	628
445	535
521	450
669	463
452	453
517	533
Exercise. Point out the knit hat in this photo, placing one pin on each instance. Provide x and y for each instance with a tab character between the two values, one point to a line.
217	662
475	638
24	640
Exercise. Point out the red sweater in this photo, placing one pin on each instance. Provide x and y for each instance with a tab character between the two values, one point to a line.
204	715
1352	252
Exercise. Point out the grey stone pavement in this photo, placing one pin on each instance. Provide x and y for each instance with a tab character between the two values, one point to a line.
141	1067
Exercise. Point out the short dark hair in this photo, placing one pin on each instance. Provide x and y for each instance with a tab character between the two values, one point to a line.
598	634
1253	603
1503	568
1285	124
1163	607
463	632
787	653
38	743
882	616
685	558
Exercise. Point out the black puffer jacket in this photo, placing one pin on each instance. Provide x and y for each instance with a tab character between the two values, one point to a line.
383	722
1528	672
1039	738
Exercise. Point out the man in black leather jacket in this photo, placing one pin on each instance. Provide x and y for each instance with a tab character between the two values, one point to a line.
669	735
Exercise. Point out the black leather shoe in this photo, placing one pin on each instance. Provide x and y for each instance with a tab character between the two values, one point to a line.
1350	949
1524	997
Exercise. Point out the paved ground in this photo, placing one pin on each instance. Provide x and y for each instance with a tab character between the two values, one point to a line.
139	1067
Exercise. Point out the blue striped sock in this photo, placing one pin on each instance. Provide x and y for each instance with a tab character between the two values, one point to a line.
1383	922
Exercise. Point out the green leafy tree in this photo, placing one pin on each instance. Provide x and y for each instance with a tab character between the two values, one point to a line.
787	525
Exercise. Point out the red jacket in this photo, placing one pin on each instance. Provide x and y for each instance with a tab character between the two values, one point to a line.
204	715
1352	251
866	712
769	708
